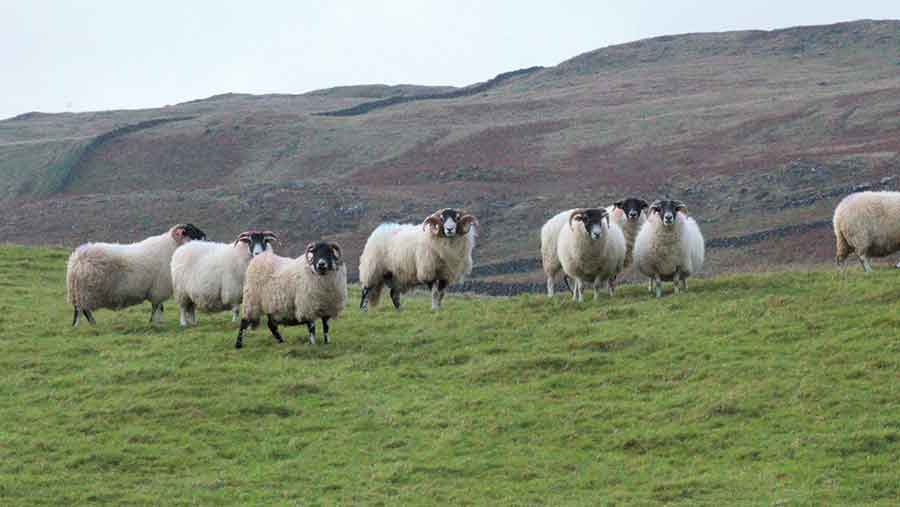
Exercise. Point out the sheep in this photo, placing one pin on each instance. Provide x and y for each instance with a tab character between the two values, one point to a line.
629	215
115	276
211	275
295	291
436	253
590	251
868	224
549	239
669	247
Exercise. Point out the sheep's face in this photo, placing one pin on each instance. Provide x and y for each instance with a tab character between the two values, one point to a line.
323	257
257	242
668	210
592	220
632	207
186	232
449	223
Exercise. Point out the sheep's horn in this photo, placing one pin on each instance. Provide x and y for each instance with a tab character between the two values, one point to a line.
575	213
434	220
679	205
337	250
269	235
467	221
655	204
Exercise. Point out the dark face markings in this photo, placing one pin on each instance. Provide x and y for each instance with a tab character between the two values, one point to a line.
323	257
668	210
632	207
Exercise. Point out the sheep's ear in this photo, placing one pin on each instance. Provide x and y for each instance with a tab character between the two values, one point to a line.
679	206
619	204
336	250
466	223
178	234
309	253
655	206
433	222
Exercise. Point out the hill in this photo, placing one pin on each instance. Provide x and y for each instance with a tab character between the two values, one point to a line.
776	388
760	132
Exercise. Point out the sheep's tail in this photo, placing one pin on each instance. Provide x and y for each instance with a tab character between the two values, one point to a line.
842	247
72	270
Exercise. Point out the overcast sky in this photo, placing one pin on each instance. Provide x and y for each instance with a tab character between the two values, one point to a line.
95	55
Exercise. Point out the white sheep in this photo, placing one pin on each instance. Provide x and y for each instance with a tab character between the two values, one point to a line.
591	249
549	240
115	276
436	253
210	276
630	217
295	291
868	224
669	247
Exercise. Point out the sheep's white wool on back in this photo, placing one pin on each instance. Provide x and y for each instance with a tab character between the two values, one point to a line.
549	241
868	223
112	275
211	275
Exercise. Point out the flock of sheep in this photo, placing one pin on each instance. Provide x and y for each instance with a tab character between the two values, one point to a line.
588	245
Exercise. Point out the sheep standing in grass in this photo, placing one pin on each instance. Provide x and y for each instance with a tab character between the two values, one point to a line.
549	240
591	249
868	224
114	276
629	215
295	291
436	253
210	276
669	247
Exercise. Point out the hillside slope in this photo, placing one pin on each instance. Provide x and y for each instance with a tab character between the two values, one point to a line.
751	390
759	132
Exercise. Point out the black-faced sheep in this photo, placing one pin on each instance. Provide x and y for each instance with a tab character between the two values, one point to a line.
295	291
630	217
115	276
210	276
591	249
669	247
436	253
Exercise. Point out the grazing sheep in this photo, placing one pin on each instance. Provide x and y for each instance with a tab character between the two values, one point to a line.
669	247
436	253
114	276
210	276
295	291
629	215
868	224
591	251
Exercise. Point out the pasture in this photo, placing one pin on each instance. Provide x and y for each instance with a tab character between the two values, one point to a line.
757	389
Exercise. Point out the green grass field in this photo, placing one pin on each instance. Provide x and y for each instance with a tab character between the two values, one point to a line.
775	389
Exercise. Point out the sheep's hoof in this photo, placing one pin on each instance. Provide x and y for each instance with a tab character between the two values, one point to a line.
238	345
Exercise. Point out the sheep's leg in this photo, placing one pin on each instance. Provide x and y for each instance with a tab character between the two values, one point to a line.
577	290
245	323
156	313
657	286
325	330
364	300
684	283
568	285
273	327
182	316
75	316
550	286
395	297
235	313
864	260
597	283
89	316
437	293
676	281
650	285
611	286
311	326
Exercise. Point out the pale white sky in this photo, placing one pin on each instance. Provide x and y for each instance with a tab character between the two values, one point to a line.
94	55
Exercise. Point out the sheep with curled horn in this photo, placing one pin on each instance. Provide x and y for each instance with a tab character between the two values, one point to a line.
669	247
591	249
436	253
116	276
210	276
297	291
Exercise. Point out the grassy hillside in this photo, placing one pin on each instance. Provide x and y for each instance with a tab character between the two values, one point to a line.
760	132
753	390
